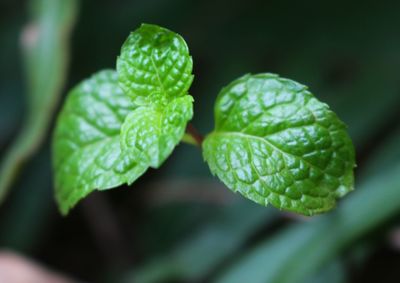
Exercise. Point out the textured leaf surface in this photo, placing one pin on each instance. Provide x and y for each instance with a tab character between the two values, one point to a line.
86	149
117	124
154	131
154	66
275	143
155	70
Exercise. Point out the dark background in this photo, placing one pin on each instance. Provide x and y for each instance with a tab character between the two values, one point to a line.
178	223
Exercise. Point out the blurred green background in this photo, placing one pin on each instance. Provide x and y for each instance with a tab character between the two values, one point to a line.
178	223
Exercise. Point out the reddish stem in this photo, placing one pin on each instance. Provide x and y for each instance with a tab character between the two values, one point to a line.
191	130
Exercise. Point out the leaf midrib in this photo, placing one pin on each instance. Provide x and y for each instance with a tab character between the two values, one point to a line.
157	73
247	136
86	147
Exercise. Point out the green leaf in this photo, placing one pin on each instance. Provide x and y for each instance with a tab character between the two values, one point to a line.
117	124
275	143
155	131
86	144
154	66
155	70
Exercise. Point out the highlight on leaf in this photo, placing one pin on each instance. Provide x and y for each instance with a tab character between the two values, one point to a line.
86	142
156	131
274	142
154	66
116	125
155	70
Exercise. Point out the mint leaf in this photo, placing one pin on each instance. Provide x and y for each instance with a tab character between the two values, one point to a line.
86	142
155	131
154	66
274	142
155	70
117	124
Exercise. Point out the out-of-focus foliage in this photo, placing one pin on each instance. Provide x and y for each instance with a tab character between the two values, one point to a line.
347	52
220	238
304	247
45	44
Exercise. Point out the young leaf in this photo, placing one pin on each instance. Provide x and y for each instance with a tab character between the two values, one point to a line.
155	131
275	143
154	66
86	143
155	70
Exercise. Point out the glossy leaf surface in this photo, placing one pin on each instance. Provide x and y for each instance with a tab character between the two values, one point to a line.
155	70
154	66
274	142
86	149
117	124
154	131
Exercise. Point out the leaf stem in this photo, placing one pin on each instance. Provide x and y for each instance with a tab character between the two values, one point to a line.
192	136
